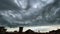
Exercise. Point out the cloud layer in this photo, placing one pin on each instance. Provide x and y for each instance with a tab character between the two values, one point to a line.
29	12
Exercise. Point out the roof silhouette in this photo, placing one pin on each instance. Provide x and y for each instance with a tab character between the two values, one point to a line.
29	30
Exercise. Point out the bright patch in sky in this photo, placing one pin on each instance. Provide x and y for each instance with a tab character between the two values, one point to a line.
37	28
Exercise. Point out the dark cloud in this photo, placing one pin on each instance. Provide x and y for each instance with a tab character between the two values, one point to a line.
34	13
8	4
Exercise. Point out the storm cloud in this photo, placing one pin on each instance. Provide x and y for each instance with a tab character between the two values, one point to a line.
8	4
29	12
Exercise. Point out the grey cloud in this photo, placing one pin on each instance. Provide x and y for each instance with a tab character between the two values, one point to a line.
38	13
8	4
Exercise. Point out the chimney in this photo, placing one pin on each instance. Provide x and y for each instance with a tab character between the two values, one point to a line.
20	29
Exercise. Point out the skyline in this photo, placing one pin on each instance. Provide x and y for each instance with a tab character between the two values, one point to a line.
36	28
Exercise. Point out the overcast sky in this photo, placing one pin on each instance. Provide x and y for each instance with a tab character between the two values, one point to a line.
15	13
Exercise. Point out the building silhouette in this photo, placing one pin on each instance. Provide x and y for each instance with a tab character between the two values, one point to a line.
29	31
20	29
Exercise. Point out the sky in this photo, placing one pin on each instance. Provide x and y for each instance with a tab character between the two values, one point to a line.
16	13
